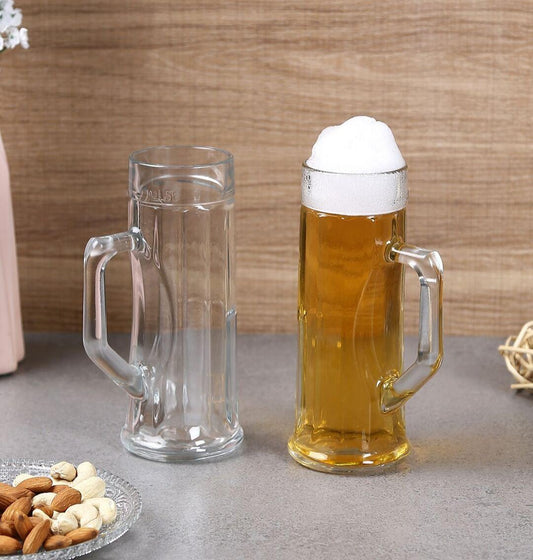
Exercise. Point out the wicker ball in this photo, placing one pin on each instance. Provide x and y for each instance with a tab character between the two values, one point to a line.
518	355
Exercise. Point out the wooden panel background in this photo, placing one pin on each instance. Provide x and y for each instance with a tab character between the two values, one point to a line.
261	78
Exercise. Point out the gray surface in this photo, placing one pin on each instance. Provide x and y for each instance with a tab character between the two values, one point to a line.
466	491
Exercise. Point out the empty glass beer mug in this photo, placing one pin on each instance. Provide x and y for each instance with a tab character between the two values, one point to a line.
181	370
352	386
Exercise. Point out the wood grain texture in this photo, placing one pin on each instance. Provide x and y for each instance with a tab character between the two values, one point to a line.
261	79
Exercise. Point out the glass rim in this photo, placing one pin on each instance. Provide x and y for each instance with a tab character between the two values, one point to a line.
355	174
225	157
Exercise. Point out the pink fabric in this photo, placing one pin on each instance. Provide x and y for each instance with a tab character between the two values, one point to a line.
11	338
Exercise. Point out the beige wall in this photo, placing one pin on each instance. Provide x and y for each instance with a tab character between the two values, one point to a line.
261	78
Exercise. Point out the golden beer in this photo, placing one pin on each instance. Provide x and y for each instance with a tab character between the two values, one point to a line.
350	337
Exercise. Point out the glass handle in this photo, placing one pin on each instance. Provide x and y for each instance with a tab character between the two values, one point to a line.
396	388
98	252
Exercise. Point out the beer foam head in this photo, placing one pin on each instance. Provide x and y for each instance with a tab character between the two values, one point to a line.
358	145
355	168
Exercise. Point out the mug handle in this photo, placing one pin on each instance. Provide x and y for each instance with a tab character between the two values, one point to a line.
98	252
397	388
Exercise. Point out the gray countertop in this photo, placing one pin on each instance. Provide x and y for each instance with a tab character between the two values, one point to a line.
466	491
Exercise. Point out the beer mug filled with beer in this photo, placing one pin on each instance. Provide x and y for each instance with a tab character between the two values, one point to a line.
352	384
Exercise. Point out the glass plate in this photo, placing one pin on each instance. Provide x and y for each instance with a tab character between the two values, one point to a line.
127	498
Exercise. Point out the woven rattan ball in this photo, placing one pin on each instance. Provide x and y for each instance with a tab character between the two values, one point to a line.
518	355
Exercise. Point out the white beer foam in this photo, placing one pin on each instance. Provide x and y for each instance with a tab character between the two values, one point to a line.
355	168
358	145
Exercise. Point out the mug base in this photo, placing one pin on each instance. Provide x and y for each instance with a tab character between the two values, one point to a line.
365	464
182	452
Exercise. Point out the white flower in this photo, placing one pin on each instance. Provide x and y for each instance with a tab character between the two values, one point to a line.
10	21
4	21
6	5
12	38
9	18
23	35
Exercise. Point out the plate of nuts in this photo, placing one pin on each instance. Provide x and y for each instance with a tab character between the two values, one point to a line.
56	510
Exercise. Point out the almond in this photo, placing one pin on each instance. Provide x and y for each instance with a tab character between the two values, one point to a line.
36	538
37	484
9	545
20	492
22	504
6	498
8	495
82	534
57	541
20	477
4	486
23	525
7	528
35	520
23	492
56	488
65	499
